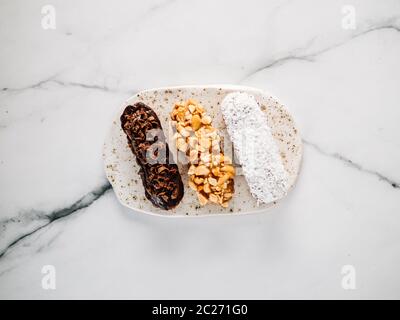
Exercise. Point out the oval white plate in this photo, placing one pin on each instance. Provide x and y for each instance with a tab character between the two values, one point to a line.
122	171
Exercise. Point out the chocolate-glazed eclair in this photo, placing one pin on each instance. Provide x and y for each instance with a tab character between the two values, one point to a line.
160	175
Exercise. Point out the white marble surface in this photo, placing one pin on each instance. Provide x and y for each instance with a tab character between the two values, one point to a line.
60	88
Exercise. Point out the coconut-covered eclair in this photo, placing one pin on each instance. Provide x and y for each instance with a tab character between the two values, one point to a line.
255	147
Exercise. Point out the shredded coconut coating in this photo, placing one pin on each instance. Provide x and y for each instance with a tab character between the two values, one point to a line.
255	147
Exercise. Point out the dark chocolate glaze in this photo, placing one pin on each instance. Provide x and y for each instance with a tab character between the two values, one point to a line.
160	176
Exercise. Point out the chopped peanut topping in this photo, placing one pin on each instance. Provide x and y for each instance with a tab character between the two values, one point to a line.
210	172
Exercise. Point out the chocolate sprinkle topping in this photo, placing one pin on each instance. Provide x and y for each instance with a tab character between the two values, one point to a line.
160	176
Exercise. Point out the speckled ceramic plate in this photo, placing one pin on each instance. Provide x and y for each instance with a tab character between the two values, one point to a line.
122	171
